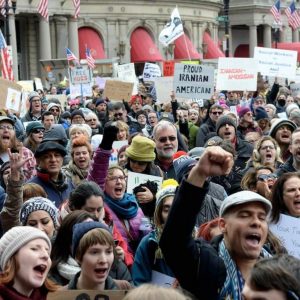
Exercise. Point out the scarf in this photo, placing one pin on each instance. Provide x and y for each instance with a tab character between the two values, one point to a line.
77	173
68	269
126	208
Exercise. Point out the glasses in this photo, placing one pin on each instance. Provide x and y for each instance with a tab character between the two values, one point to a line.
140	163
116	178
249	113
118	115
36	100
267	147
164	139
267	177
8	127
41	130
141	117
217	113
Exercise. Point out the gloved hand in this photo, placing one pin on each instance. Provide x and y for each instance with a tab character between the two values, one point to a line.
109	136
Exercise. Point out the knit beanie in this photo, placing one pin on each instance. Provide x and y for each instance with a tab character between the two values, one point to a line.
50	105
33	95
290	108
243	111
33	125
15	238
223	121
261	114
182	165
141	149
80	229
168	188
77	112
99	101
35	204
281	122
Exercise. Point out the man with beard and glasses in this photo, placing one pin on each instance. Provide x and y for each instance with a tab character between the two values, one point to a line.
35	109
165	138
8	140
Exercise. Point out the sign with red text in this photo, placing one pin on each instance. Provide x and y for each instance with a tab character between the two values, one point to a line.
168	68
237	74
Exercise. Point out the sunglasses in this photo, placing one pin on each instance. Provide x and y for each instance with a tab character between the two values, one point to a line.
165	138
264	177
38	130
216	113
118	115
140	163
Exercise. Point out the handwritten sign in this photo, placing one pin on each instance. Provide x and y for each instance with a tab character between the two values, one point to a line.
113	160
6	96
163	87
13	99
27	85
100	81
276	62
135	179
80	75
151	71
295	89
288	231
116	90
86	89
168	68
193	81
61	97
87	295
126	72
237	74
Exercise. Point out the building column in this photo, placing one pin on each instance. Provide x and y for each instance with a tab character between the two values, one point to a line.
61	36
13	43
112	42
282	35
73	43
124	39
267	36
161	48
230	42
44	39
295	36
195	35
252	39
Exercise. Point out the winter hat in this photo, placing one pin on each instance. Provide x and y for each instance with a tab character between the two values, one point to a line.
196	152
141	149
50	105
223	121
147	107
213	141
166	116
179	154
45	101
182	165
7	119
33	95
136	98
49	146
33	125
80	229
295	114
280	122
38	203
66	115
99	101
15	238
273	107
56	133
168	188
242	198
243	111
261	114
290	108
77	112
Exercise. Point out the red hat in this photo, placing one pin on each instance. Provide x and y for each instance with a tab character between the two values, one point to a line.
136	98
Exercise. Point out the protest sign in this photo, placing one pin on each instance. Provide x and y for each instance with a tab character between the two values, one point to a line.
237	74
24	104
276	62
126	72
168	68
163	87
61	97
85	89
295	89
297	77
100	81
38	83
116	90
87	295
80	75
135	179
113	160
27	85
193	81
151	71
288	231
10	95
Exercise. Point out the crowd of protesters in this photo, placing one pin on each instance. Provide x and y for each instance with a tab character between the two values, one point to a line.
229	166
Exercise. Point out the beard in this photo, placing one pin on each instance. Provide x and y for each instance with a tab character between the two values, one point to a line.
5	144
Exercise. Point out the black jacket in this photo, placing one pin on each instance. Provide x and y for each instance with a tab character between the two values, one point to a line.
203	131
286	167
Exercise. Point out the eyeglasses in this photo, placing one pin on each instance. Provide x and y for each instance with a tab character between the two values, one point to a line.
116	178
267	177
8	127
118	115
40	130
217	113
267	147
140	163
141	117
164	139
249	113
36	100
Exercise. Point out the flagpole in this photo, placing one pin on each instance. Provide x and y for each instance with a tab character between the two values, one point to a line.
187	49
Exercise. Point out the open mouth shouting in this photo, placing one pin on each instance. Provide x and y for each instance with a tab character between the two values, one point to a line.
253	240
40	270
101	272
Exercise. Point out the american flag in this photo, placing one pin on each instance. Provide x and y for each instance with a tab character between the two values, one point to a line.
89	58
7	71
275	10
43	9
293	16
2	4
77	8
71	56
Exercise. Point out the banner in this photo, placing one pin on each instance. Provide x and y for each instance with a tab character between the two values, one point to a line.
193	81
151	71
276	62
168	68
116	90
237	74
172	30
135	179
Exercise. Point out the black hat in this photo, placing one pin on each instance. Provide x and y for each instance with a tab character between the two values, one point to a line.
261	114
49	146
77	112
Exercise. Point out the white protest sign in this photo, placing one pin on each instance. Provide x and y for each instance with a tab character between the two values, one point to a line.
282	115
151	71
193	81
276	62
75	90
233	109
135	179
113	160
100	81
297	77
288	231
38	83
80	75
237	74
295	89
163	87
23	109
126	72
13	99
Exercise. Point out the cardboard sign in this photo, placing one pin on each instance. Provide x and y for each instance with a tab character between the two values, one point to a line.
276	62
288	231
168	68
135	179
27	85
61	97
237	74
126	72
151	71
113	160
86	89
10	94
87	295
163	87
193	81
295	89
116	90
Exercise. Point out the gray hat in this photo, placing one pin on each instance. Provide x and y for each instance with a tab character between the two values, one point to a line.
56	133
44	147
7	119
242	198
15	238
223	120
281	122
33	95
196	152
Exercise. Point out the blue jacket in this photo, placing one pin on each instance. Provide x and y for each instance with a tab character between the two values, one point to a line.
145	261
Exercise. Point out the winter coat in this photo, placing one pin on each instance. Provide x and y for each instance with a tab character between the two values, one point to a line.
286	167
9	293
204	130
